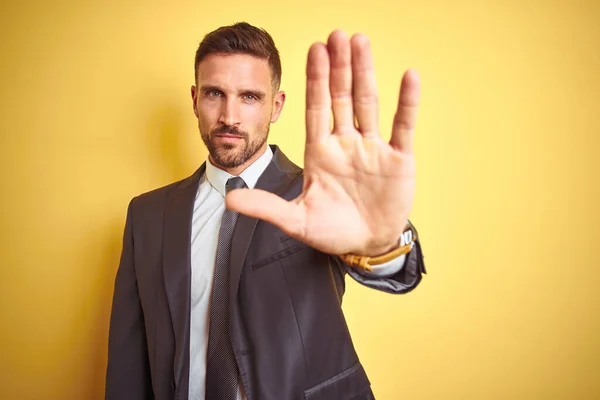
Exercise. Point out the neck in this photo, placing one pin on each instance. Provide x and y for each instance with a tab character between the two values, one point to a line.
236	171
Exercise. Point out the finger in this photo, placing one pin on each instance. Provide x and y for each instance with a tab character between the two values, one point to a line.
366	105
256	203
406	115
318	99
340	82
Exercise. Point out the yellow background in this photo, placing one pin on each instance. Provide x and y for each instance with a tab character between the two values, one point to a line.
95	109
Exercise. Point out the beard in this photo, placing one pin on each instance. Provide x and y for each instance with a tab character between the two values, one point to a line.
228	155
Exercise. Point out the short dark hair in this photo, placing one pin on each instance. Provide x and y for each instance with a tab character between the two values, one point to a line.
241	38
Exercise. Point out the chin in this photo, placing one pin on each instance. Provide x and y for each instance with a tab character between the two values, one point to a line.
228	156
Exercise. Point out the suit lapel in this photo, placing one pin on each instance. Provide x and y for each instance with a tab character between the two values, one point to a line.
278	175
177	265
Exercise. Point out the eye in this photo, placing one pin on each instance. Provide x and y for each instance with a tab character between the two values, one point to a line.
213	93
249	97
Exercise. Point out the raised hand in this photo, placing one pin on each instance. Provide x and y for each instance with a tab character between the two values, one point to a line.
358	190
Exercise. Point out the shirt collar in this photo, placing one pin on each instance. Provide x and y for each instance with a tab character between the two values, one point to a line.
218	178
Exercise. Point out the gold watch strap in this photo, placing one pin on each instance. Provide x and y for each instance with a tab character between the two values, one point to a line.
365	262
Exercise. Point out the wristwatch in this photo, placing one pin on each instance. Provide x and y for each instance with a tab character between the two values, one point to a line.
405	245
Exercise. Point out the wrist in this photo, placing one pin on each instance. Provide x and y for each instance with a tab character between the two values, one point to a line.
383	249
392	244
401	247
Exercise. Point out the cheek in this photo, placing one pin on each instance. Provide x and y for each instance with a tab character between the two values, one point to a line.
207	116
258	117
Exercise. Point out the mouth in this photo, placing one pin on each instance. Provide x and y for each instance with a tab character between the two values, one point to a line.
228	137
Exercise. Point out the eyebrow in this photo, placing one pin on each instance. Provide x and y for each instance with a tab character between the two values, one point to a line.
258	93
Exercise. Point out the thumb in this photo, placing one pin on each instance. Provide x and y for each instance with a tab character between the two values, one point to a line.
257	203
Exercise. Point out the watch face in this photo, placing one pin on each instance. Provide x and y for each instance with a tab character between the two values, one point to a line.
406	237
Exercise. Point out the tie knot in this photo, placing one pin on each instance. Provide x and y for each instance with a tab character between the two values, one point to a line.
234	183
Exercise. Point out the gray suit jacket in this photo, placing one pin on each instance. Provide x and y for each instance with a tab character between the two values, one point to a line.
289	334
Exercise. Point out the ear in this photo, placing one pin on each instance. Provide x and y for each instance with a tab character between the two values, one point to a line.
194	99
278	101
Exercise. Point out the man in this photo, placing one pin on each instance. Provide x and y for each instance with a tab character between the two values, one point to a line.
238	295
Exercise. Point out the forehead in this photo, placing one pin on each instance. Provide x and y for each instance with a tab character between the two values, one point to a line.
234	70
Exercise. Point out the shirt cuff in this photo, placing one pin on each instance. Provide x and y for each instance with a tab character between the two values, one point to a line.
386	269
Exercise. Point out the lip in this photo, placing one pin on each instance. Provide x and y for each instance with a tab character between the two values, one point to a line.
228	136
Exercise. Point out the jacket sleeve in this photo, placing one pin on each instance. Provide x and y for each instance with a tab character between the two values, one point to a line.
402	281
128	369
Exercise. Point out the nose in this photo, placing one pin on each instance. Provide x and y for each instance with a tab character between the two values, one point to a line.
230	112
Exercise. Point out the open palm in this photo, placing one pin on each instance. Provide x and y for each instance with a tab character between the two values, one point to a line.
358	190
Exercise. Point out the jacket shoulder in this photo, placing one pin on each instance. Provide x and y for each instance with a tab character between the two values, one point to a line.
155	199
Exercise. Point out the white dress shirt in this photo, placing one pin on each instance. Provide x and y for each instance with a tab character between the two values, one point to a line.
209	207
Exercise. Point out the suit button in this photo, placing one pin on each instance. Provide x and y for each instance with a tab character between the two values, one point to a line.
173	385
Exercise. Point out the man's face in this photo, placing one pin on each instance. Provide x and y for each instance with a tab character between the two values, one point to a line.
235	104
